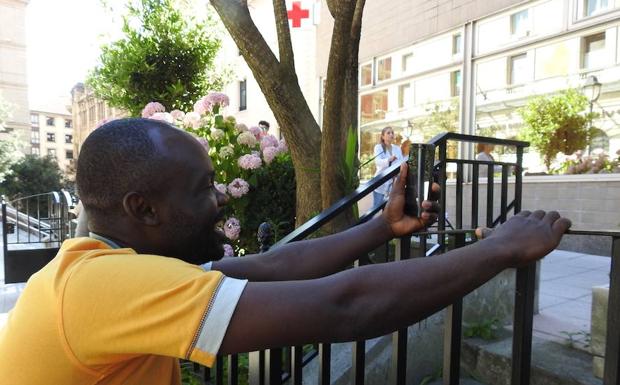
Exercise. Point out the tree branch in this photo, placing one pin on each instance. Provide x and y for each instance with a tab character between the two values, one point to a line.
285	46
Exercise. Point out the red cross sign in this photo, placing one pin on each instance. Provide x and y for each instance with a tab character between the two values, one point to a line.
297	13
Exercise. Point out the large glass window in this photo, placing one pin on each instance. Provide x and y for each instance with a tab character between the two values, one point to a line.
593	7
404	96
34	137
69	154
366	75
519	24
35	151
517	71
373	106
457	41
593	51
34	119
455	83
51	137
68	123
49	121
384	69
68	139
407	62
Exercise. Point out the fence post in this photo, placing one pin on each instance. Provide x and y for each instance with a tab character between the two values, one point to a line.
612	348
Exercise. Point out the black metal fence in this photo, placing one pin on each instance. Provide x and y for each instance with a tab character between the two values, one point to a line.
277	366
33	229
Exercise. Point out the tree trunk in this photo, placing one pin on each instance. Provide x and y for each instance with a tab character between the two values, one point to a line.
278	82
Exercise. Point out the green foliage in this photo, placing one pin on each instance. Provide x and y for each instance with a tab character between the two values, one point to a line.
485	329
32	175
351	167
556	124
440	119
432	377
162	57
188	377
574	339
9	143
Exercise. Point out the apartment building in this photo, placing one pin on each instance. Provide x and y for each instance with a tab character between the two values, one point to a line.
52	133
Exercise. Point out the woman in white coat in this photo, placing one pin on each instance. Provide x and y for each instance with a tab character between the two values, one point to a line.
386	153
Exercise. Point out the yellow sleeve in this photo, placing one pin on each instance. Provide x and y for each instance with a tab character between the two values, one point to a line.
117	307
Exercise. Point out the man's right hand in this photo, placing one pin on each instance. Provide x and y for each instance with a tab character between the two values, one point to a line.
528	236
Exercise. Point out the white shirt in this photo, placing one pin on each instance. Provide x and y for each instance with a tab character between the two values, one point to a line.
382	161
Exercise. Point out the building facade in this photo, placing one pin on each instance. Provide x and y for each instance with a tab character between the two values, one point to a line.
13	79
87	113
52	133
473	75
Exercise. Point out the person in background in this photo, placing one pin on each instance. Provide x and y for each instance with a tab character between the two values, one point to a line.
264	126
386	153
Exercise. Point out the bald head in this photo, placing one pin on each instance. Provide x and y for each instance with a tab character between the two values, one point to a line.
121	156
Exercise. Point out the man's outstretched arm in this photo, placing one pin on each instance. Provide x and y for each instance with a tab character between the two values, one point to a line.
320	257
377	299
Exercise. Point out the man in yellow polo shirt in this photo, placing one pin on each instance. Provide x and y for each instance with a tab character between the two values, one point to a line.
123	305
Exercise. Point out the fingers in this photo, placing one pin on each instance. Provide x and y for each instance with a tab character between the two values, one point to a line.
483	232
524	213
399	184
551	217
435	192
561	225
538	214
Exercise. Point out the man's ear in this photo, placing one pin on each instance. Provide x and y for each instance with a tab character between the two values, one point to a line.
139	208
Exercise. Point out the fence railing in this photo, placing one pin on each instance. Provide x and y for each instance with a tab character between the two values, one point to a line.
276	366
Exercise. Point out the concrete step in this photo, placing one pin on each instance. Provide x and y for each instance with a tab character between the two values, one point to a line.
552	363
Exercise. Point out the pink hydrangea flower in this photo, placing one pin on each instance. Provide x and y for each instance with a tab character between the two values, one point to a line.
221	187
256	131
202	106
247	139
232	228
269	153
250	162
177	114
240	127
104	121
268	141
238	188
217	134
228	250
192	120
152	108
219	98
163	116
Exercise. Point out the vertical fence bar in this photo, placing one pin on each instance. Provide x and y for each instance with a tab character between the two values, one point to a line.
490	194
358	353
273	366
256	370
611	375
475	184
28	218
219	370
452	334
504	194
441	221
325	361
5	235
523	322
297	356
518	180
459	195
233	369
399	337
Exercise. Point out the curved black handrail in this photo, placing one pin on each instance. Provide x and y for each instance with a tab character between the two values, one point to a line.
324	217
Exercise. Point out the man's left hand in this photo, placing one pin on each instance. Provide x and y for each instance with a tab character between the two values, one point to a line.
402	224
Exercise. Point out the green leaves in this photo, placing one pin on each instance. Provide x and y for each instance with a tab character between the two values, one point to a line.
162	57
32	175
555	124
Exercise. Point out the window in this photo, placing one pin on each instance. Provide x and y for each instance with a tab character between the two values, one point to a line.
69	154
68	139
407	62
34	119
51	137
592	7
599	141
374	106
51	152
457	41
404	96
366	75
50	121
455	83
384	69
517	69
243	95
68	123
519	24
593	51
34	137
35	151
